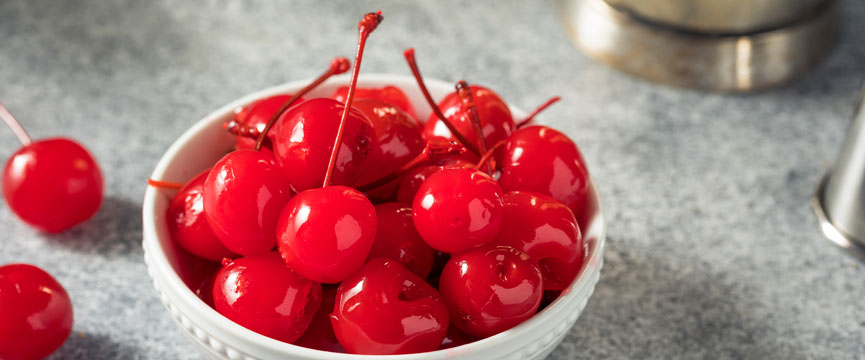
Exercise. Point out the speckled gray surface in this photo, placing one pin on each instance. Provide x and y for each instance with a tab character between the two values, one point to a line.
713	251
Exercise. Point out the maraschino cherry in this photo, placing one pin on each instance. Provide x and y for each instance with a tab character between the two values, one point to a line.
458	209
244	194
490	290
261	294
398	137
325	234
188	224
386	309
51	184
545	229
389	94
35	313
543	160
319	335
397	239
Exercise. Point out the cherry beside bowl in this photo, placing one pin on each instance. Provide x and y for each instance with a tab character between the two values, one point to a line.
216	337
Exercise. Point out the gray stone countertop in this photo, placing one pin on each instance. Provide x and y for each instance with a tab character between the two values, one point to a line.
713	251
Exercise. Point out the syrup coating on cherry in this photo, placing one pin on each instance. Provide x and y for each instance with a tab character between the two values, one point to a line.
490	290
188	224
261	294
458	209
397	239
398	139
326	234
545	229
244	194
386	309
319	335
543	160
35	310
389	94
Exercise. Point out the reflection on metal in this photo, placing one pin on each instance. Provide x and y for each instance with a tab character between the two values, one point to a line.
682	56
830	230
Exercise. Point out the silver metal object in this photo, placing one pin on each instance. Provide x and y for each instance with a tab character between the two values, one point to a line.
722	17
840	198
677	51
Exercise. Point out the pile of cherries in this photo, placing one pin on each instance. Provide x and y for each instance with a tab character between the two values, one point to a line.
345	224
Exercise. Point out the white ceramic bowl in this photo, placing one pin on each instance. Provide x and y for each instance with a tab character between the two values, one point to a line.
219	338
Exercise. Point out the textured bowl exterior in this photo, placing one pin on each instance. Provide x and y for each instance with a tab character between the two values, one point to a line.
216	337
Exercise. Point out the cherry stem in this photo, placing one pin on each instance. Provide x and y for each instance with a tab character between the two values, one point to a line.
337	66
490	152
365	27
412	63
464	92
164	184
432	151
13	124
537	111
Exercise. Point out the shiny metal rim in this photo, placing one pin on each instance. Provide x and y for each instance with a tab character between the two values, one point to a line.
833	233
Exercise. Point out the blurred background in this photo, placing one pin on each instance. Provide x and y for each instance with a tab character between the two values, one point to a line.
713	251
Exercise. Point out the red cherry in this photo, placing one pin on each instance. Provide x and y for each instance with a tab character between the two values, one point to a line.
320	334
35	310
545	229
253	119
495	117
389	93
386	309
304	141
204	291
398	137
261	294
397	239
326	234
543	160
243	196
188	224
458	209
53	184
490	290
412	181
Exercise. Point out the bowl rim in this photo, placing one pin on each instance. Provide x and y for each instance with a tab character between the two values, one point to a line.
157	260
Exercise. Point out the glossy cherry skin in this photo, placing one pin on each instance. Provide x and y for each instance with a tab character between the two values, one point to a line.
490	290
261	294
35	313
386	309
397	239
458	209
398	137
244	194
320	334
497	123
326	234
545	229
543	160
53	184
188	225
256	115
390	94
304	137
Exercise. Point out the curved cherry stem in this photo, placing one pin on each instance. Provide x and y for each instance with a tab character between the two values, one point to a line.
337	66
412	63
13	124
489	153
164	184
464	92
537	111
432	152
365	27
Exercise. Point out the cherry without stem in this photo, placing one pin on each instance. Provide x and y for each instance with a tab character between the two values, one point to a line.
188	224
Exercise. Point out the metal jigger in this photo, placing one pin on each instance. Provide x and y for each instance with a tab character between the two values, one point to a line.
840	198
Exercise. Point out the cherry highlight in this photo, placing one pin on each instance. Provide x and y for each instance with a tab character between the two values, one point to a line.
365	27
412	63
